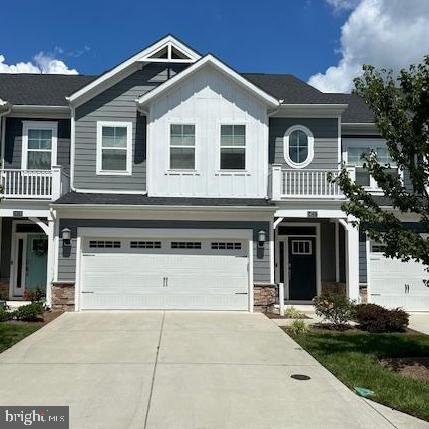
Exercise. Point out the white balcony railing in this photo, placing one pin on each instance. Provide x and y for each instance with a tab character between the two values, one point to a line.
31	184
304	183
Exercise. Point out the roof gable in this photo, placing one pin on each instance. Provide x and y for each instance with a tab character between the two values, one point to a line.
168	49
220	66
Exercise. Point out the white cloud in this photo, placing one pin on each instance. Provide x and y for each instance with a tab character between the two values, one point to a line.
42	63
343	4
384	33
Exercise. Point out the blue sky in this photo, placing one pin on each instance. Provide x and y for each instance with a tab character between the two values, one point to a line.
325	42
291	36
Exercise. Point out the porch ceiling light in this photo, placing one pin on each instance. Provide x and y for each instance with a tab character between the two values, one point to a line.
262	238
66	235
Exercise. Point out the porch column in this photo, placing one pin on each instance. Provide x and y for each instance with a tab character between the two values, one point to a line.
50	262
352	260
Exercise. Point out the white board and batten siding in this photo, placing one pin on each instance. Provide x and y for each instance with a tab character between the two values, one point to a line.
393	283
208	99
164	273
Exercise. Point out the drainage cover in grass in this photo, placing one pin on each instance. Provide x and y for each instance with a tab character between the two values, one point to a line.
300	377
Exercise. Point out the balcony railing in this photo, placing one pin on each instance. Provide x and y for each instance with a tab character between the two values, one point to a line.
304	183
33	184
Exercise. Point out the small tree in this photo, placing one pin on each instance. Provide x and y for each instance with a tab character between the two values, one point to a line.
401	110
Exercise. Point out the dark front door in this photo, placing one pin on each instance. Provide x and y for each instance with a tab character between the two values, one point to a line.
302	268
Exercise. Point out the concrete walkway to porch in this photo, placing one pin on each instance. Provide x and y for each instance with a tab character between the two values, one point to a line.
182	370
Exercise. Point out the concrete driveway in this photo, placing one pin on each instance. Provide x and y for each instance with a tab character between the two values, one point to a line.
177	370
420	322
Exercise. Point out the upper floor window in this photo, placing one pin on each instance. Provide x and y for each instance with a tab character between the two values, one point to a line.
232	147
182	147
39	145
355	153
114	148
298	146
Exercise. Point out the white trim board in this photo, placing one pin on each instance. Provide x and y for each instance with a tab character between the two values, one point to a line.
126	68
39	125
129	148
285	239
208	59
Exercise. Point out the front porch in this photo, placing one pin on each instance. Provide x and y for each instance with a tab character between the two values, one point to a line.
315	255
26	252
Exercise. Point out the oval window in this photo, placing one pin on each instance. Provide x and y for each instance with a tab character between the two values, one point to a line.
298	146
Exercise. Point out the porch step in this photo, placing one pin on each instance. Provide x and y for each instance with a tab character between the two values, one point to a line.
16	304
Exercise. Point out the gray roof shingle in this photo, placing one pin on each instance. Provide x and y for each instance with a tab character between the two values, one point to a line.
78	198
40	89
52	90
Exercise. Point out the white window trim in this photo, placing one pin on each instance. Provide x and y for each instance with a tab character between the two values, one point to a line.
310	152
129	148
39	125
370	143
185	171
225	171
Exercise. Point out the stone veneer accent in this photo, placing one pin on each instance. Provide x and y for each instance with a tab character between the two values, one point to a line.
363	294
62	294
264	297
334	287
4	290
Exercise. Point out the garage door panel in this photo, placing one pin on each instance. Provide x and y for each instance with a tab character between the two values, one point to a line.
394	283
164	278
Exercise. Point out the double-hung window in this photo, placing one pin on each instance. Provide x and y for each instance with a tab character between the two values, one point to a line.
182	147
39	145
355	154
114	148
233	147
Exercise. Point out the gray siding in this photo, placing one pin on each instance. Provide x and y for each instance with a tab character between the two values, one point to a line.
327	248
67	259
116	104
363	277
325	131
13	142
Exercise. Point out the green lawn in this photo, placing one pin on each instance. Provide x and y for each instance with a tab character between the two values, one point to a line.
11	333
353	358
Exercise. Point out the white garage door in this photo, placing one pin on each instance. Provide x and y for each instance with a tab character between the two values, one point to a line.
133	273
397	284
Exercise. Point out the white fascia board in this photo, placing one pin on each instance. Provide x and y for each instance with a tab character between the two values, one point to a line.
359	128
39	111
208	59
131	63
310	110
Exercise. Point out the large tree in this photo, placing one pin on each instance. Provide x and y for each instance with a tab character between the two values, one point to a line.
400	104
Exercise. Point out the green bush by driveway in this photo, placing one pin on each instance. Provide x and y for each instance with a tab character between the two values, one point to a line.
354	356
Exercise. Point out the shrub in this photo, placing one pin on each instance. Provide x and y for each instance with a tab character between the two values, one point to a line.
334	307
374	318
298	327
34	295
292	313
30	312
5	315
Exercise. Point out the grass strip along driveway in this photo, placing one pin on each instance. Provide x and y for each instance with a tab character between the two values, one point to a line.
11	333
353	357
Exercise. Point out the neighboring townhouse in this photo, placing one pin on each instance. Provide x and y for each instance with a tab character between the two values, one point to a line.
173	181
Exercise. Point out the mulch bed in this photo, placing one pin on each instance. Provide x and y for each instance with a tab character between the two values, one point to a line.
277	316
417	367
48	316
